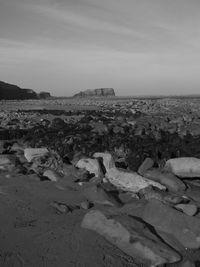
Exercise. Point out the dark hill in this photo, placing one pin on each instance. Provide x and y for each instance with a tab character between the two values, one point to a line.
14	92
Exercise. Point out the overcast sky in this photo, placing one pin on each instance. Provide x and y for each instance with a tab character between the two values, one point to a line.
137	47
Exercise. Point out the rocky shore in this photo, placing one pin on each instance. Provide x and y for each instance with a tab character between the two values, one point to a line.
115	185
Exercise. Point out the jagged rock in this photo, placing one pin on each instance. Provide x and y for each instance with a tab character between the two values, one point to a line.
165	178
132	237
146	165
184	167
126	181
184	228
189	209
32	153
96	92
91	165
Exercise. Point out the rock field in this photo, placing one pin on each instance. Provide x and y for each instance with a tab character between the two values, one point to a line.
100	182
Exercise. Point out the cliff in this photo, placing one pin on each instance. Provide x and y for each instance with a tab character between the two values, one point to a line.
96	92
14	92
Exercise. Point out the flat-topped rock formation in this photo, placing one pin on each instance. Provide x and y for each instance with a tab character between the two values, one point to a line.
96	92
44	95
14	92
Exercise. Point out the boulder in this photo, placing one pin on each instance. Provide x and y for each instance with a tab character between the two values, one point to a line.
126	181
32	153
165	178
184	167
132	237
163	196
146	165
189	209
184	228
91	165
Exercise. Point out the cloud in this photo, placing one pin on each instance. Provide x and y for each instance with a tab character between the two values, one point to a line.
76	44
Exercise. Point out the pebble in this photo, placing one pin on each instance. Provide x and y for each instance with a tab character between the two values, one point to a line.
62	208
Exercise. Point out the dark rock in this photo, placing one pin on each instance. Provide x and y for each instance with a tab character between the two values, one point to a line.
96	92
10	91
44	95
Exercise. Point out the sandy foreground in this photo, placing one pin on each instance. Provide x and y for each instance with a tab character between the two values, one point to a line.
34	234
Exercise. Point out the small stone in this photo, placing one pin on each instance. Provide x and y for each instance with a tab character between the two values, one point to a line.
85	205
51	175
62	208
146	165
189	209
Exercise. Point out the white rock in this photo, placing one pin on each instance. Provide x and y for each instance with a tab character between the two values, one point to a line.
91	165
127	181
32	153
184	167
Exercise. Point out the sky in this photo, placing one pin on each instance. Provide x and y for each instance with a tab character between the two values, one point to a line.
137	47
